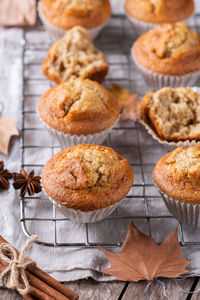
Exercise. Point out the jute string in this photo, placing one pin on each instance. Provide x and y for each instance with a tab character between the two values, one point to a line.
163	287
14	276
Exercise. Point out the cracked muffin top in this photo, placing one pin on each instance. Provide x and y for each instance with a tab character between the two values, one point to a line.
172	49
68	13
178	174
159	11
174	114
79	107
75	56
87	177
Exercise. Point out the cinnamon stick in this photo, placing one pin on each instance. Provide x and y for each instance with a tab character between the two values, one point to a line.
28	297
37	294
53	283
44	287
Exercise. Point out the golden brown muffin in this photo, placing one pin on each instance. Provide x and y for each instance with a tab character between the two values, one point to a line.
171	49
87	177
159	11
79	107
74	56
68	13
178	174
174	114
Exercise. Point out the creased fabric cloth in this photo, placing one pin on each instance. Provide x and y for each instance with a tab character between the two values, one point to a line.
63	263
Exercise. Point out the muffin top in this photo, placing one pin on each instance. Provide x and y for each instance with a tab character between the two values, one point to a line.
159	11
68	13
172	49
79	107
178	174
174	114
74	56
87	177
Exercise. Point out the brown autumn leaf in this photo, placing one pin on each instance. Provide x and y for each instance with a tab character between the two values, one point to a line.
142	258
7	130
17	12
129	103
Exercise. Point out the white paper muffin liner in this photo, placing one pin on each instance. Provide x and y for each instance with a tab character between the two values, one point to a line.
186	213
85	217
156	81
68	140
141	27
171	145
57	33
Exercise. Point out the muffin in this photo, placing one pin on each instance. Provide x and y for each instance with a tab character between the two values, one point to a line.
146	14
87	182
177	176
80	111
172	114
168	55
58	16
74	56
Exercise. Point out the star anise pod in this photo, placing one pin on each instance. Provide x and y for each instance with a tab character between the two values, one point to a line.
5	175
27	182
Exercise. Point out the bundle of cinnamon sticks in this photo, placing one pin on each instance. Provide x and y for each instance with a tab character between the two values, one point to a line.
43	286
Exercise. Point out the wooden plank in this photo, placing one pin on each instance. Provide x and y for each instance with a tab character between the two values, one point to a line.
196	295
86	289
6	294
136	290
92	290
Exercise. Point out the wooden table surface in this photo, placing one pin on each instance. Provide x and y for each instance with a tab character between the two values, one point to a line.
117	290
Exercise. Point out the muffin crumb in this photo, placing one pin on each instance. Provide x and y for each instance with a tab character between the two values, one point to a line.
173	113
74	56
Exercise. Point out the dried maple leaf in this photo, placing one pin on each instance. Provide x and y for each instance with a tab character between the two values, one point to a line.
17	12
7	130
142	258
129	103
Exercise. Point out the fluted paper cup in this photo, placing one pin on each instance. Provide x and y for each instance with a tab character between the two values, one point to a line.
57	33
186	213
171	145
156	81
141	27
68	140
85	217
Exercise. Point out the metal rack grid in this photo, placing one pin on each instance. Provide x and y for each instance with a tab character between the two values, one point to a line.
128	138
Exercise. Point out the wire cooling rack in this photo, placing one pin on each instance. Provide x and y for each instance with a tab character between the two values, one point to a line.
143	205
